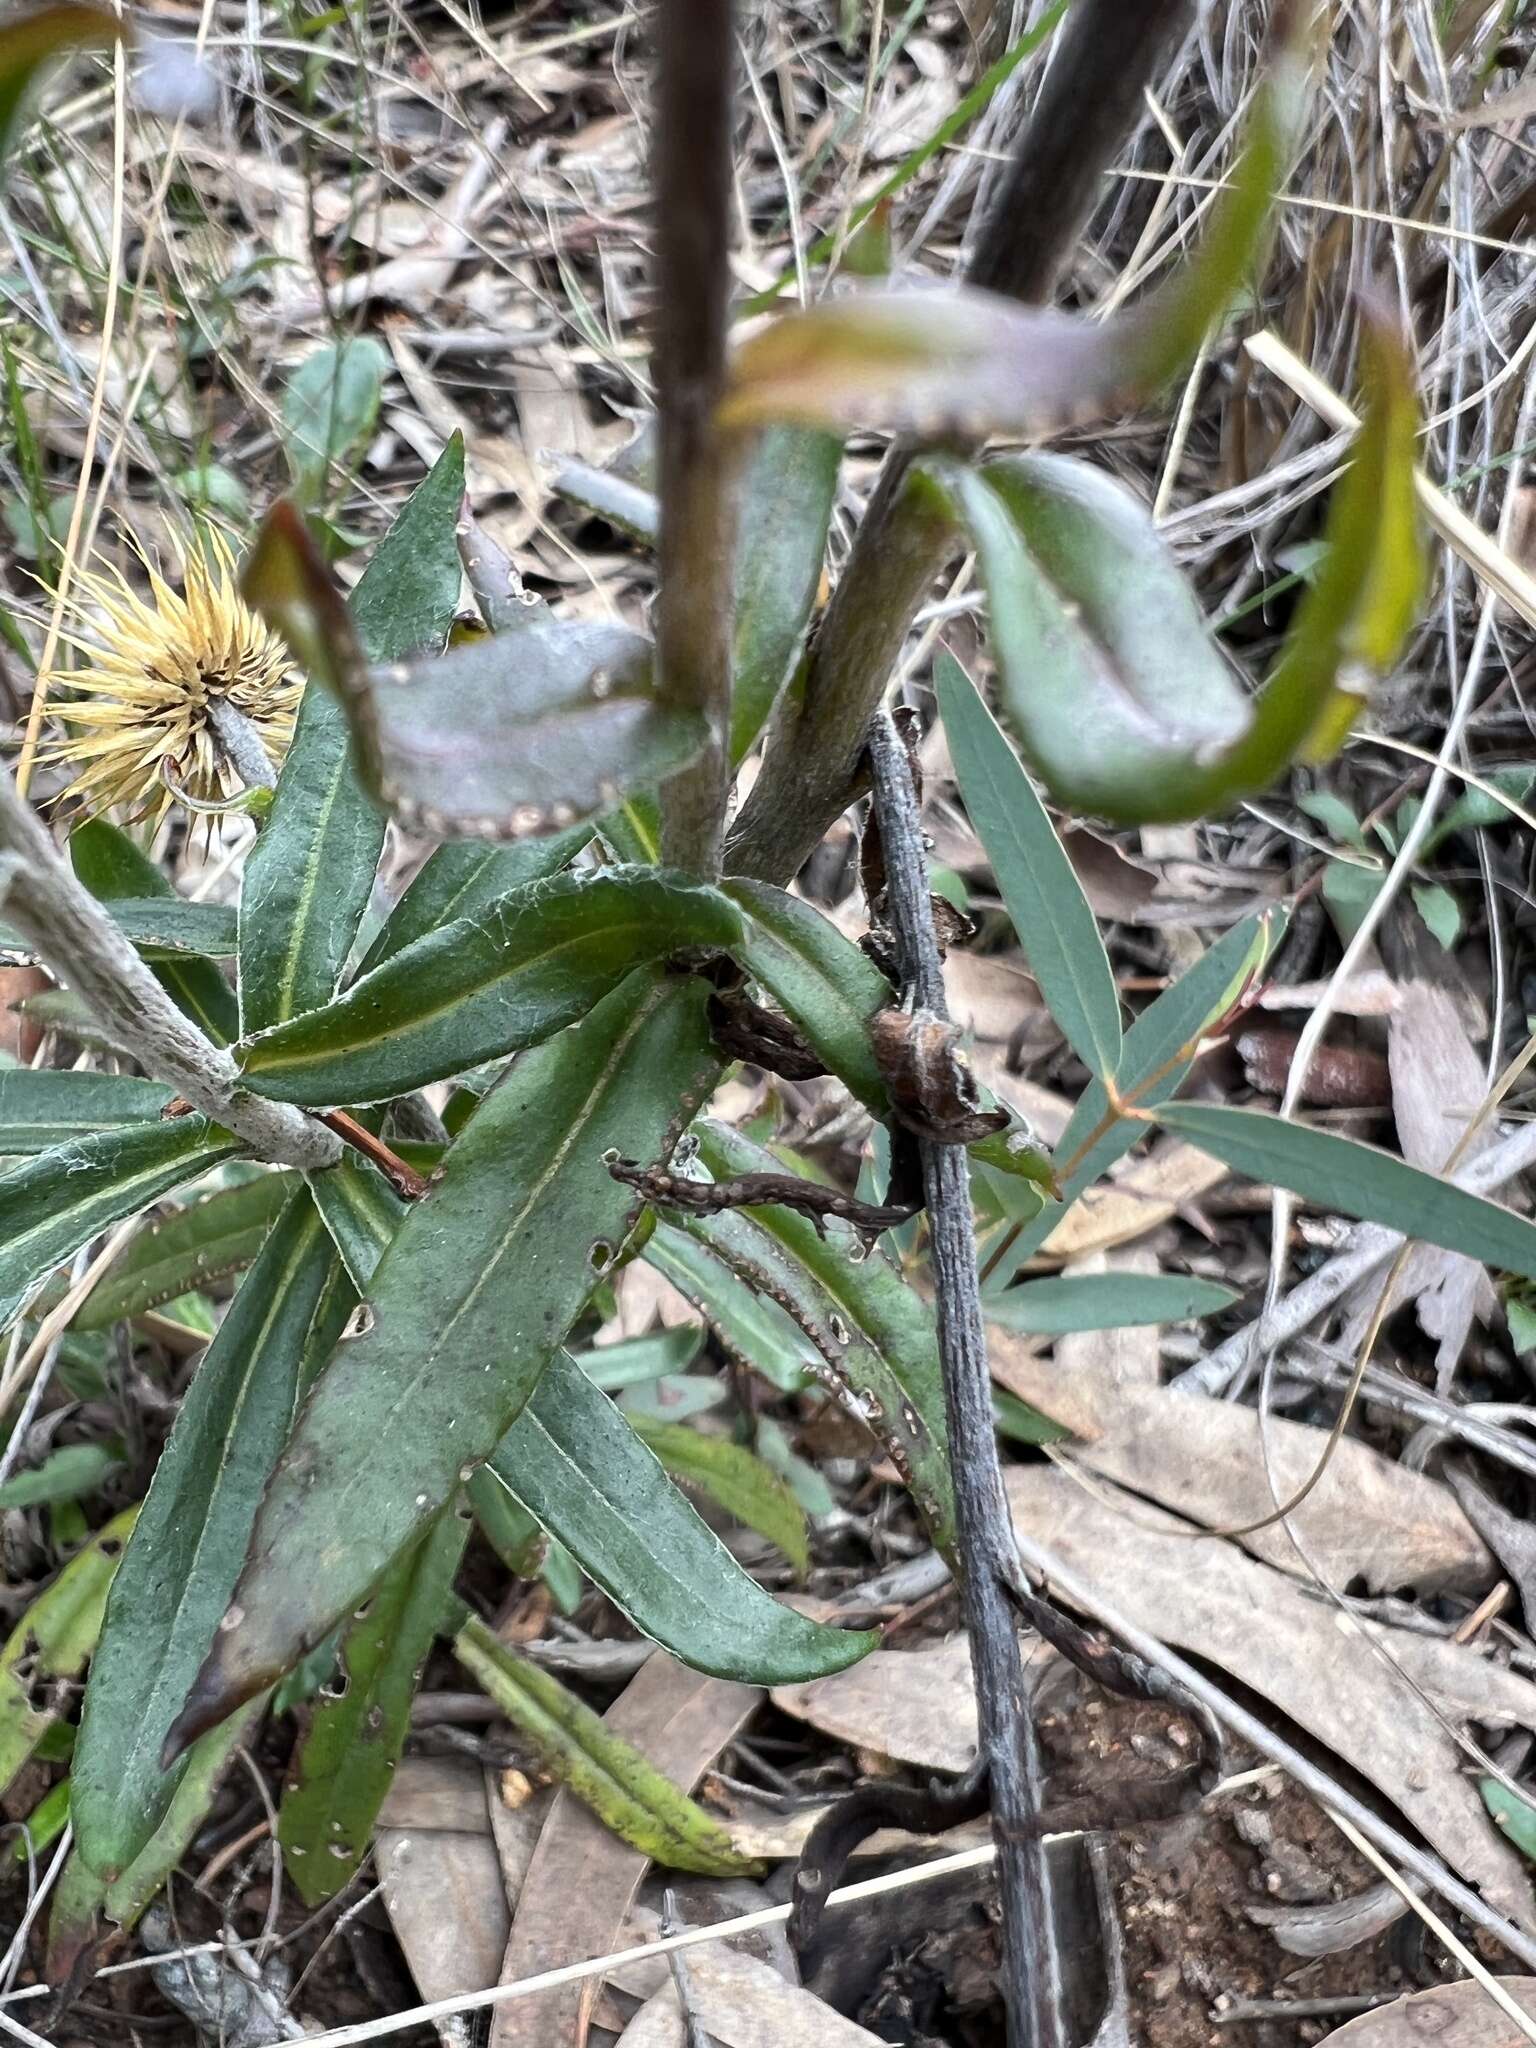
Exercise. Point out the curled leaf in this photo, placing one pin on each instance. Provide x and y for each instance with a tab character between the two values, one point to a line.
1108	677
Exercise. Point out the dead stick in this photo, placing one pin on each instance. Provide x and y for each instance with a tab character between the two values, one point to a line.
984	1529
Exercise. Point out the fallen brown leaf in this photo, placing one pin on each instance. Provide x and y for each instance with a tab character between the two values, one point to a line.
581	1880
1367	1517
1307	1659
742	2003
1460	2015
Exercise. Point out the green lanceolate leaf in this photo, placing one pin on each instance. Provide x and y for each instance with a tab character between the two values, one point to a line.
53	1639
734	1479
41	1107
158	925
787	499
937	362
310	874
636	1360
329	411
176	1578
361	1211
1347	1178
60	1200
469	1304
116	871
828	988
627	1793
84	1899
752	1327
573	1460
577	1464
31	43
874	1335
1105	1301
346	1758
506	978
1051	915
201	1242
1360	607
465	879
1159	1051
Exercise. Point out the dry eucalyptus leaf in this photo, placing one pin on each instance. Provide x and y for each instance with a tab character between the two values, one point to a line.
742	2003
1367	1517
915	1706
1121	1210
1460	2015
442	1883
581	1881
1438	1084
1310	1661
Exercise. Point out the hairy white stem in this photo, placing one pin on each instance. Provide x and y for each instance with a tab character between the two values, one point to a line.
71	934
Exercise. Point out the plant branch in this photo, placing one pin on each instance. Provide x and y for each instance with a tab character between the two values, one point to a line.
1105	56
70	932
693	186
984	1529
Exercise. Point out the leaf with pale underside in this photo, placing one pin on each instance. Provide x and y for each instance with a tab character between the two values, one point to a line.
1107	674
962	360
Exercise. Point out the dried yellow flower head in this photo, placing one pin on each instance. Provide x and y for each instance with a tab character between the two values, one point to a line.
139	734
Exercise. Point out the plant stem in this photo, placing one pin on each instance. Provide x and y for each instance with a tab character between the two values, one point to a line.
73	935
1101	62
693	186
984	1528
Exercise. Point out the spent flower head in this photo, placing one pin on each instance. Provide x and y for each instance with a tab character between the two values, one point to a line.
140	733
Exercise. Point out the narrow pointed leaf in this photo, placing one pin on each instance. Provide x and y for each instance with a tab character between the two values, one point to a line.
1106	1301
31	44
199	1243
164	924
787	498
186	1551
116	872
508	977
1158	1053
736	1481
41	1107
68	1473
1055	925
55	1203
627	1793
361	1211
52	1640
944	361
310	874
472	1299
357	1727
463	880
578	1466
754	1329
573	1460
1344	1177
874	1335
